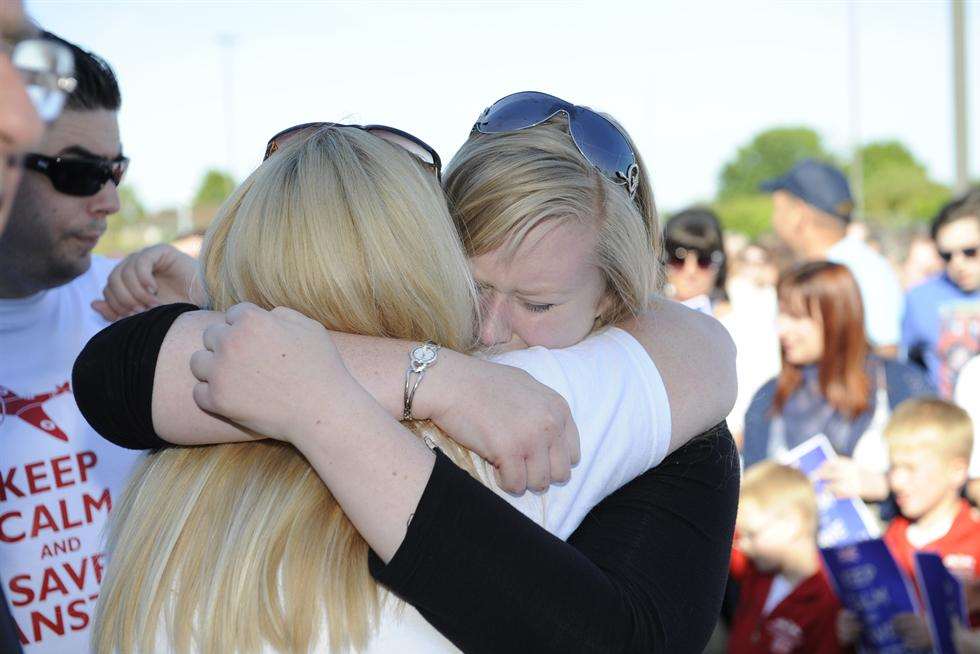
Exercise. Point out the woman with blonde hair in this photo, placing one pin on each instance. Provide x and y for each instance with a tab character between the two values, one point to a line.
582	304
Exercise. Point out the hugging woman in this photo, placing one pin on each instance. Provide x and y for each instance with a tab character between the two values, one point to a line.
349	228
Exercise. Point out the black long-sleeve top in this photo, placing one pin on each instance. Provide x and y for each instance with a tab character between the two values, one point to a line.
644	572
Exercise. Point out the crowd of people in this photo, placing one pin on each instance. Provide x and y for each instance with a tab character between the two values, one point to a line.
392	407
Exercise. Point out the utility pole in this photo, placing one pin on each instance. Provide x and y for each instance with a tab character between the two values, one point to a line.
854	105
961	127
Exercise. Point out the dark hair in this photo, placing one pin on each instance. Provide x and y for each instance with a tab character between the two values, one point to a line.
827	291
698	228
964	206
97	86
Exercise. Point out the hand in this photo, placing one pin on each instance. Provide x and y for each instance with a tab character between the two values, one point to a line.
845	478
160	274
848	628
520	426
912	629
275	372
966	641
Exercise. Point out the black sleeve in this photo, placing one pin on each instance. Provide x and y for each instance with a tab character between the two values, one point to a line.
9	642
645	572
113	377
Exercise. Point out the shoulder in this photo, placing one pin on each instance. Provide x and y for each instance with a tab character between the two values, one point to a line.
696	358
905	380
925	293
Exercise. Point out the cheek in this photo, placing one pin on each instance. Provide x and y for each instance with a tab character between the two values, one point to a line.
556	328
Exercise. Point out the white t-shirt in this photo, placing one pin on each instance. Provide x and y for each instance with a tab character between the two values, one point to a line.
58	478
967	396
619	403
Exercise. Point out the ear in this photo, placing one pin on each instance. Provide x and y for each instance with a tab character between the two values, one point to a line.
958	470
605	303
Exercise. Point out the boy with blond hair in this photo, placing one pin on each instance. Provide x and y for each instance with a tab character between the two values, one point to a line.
786	604
929	444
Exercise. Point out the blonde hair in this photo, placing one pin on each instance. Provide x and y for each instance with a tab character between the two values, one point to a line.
501	186
232	547
933	424
775	488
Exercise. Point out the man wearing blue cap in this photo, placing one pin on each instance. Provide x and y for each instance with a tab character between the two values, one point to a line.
812	207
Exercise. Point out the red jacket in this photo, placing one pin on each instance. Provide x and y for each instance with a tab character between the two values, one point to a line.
803	623
959	547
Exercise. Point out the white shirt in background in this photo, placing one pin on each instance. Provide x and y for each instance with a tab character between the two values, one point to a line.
881	292
58	478
967	396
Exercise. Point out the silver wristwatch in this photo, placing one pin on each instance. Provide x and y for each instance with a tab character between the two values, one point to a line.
419	360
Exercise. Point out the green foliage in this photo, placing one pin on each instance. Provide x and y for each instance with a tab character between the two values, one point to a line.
215	186
131	208
747	214
897	189
769	154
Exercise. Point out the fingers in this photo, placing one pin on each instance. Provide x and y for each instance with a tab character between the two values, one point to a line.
511	475
202	365
213	336
143	270
238	312
202	397
560	462
538	467
137	286
103	309
572	441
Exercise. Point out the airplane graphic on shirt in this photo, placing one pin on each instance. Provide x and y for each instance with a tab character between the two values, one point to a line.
31	411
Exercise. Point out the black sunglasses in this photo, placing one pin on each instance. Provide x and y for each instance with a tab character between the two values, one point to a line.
969	253
678	256
79	176
416	146
599	140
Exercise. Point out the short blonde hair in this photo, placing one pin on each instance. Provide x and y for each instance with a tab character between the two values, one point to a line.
773	488
501	186
933	424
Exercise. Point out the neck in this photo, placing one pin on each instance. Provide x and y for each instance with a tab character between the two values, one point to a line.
818	243
802	562
15	282
943	513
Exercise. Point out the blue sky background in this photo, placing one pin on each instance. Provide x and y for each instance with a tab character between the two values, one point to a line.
690	80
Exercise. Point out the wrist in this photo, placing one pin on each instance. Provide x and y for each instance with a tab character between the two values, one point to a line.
329	410
435	395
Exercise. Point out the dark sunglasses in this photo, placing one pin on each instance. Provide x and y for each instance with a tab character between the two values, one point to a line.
969	253
678	256
80	176
416	146
599	140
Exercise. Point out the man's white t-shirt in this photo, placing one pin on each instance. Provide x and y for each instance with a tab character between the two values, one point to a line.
967	396
619	403
58	478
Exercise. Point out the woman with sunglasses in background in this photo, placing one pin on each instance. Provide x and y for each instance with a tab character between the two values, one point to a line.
625	220
696	262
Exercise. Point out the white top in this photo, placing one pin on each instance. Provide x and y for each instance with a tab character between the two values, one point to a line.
967	396
619	403
779	590
58	478
881	292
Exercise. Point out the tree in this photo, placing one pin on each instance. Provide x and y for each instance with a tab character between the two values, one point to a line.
215	186
769	154
897	188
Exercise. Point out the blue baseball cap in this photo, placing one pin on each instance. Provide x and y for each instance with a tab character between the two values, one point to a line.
818	184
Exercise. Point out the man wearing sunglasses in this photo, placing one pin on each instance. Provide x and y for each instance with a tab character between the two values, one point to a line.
58	479
942	319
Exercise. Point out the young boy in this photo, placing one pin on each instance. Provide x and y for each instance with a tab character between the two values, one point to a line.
929	443
785	603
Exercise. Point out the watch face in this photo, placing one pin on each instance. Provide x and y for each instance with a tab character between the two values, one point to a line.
424	354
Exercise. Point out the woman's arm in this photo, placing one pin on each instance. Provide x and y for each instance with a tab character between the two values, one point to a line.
645	572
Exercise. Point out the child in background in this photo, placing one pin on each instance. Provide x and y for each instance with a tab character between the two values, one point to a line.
929	443
785	604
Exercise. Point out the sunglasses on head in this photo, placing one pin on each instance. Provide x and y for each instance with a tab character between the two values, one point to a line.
969	253
599	140
678	256
416	146
48	70
80	176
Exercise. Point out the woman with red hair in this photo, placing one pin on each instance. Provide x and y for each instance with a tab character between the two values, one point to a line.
830	382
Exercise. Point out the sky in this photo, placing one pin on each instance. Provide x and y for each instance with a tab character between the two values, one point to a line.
205	84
